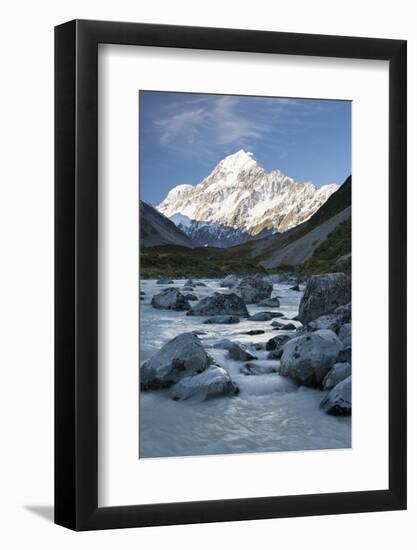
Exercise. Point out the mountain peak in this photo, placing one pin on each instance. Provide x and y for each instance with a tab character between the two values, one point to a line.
237	162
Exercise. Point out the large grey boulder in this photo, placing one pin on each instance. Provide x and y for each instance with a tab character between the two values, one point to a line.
222	320
309	357
182	356
170	298
191	297
239	353
254	288
339	400
345	334
323	294
270	302
220	304
213	382
336	374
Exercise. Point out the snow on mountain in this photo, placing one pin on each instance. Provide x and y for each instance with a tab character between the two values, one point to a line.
240	194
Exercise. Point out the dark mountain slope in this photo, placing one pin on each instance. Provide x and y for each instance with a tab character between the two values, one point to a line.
157	230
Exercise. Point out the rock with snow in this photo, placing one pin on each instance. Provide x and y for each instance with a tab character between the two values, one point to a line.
182	356
309	357
213	382
222	320
336	374
239	194
254	288
338	401
239	353
170	298
220	304
345	334
277	342
271	302
255	369
323	294
164	282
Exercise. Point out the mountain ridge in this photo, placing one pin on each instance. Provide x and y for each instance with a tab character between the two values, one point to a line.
240	194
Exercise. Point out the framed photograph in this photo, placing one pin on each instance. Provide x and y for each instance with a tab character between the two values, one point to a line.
230	244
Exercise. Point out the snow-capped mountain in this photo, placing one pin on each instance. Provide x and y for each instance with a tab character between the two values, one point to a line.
213	233
241	195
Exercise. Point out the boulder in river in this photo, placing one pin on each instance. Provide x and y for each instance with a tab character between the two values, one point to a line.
254	332
225	343
264	316
222	320
270	302
283	326
309	357
190	297
323	294
336	374
170	298
164	282
220	304
239	353
182	356
338	401
277	342
295	287
254	288
213	382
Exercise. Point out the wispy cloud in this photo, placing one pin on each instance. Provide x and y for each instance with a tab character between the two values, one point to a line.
205	126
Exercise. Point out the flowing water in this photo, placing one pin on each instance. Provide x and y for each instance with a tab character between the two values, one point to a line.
269	414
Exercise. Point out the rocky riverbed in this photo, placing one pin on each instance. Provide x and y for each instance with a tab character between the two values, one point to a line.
222	373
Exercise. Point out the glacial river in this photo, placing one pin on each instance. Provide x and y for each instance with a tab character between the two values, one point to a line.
269	414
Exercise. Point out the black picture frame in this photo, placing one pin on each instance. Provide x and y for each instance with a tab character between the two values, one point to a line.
76	272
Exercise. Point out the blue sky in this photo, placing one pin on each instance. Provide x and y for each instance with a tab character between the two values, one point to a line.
183	136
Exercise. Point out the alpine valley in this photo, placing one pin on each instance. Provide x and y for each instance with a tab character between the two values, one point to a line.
245	315
241	218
